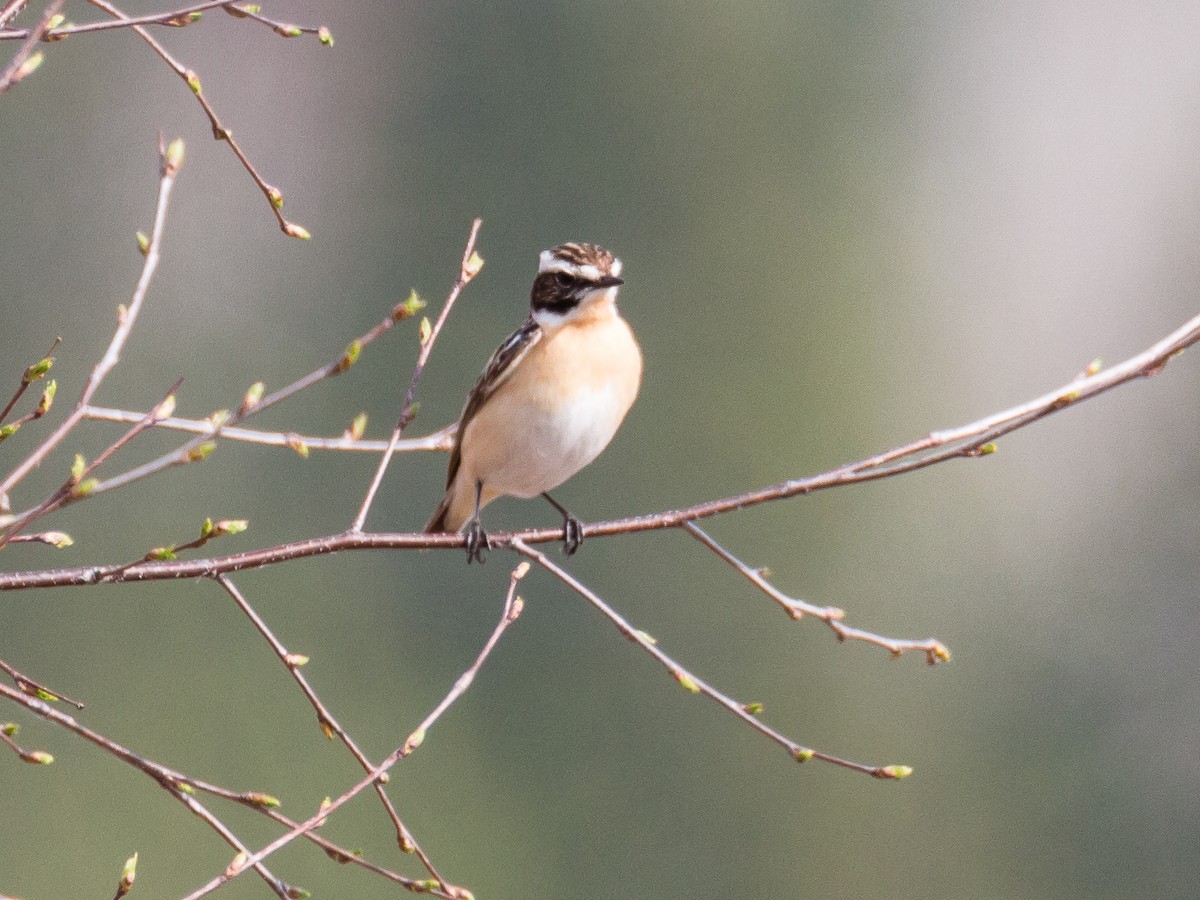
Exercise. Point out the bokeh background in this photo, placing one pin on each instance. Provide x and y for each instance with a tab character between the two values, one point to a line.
843	224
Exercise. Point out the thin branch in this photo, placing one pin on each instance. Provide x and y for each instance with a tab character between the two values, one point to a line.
220	132
27	685
24	61
325	718
512	609
10	10
199	447
178	784
691	682
471	263
935	651
440	441
79	485
91	27
170	779
172	159
32	373
967	441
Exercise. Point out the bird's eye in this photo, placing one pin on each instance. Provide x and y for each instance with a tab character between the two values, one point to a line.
562	279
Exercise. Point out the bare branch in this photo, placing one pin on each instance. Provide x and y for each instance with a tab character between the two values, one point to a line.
32	373
471	263
325	718
935	651
967	441
220	132
512	609
694	684
440	441
199	447
172	159
25	61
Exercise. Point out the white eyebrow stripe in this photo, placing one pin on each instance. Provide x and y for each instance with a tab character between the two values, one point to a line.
586	272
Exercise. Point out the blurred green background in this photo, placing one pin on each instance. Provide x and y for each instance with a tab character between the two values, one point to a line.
843	225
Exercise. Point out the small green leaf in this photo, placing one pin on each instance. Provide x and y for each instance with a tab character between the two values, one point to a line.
408	308
78	467
201	451
349	358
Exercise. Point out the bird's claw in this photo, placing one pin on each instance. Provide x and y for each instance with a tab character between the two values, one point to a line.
477	542
572	534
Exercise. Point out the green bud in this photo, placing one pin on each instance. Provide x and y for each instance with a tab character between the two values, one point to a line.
143	242
802	754
349	358
201	451
47	400
40	757
252	397
7	431
38	370
472	266
325	36
291	229
193	81
410	307
78	467
414	741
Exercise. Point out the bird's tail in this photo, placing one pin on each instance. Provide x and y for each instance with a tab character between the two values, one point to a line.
438	523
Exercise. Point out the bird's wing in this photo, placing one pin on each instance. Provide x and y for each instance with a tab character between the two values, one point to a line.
502	364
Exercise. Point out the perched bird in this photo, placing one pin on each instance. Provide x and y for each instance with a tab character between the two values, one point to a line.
550	399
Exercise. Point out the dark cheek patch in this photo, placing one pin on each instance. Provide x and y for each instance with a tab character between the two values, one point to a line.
549	295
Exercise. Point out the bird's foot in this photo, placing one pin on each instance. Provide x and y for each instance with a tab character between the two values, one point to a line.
572	534
477	542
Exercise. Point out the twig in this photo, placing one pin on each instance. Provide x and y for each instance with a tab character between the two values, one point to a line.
170	779
325	718
24	61
79	485
10	10
967	441
199	447
934	650
441	440
471	263
154	19
32	373
177	784
694	684
512	608
172	159
220	132
35	689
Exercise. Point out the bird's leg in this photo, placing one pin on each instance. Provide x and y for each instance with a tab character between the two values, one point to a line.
572	527
477	539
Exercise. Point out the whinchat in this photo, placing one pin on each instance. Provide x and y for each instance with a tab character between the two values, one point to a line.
551	398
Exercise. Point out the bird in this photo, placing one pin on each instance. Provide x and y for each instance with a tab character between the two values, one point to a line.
550	399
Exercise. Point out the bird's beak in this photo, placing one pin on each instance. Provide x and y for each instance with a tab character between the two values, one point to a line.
609	281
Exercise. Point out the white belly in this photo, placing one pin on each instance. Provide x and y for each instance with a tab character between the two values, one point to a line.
547	448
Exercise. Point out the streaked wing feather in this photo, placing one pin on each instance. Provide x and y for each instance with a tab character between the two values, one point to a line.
506	358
